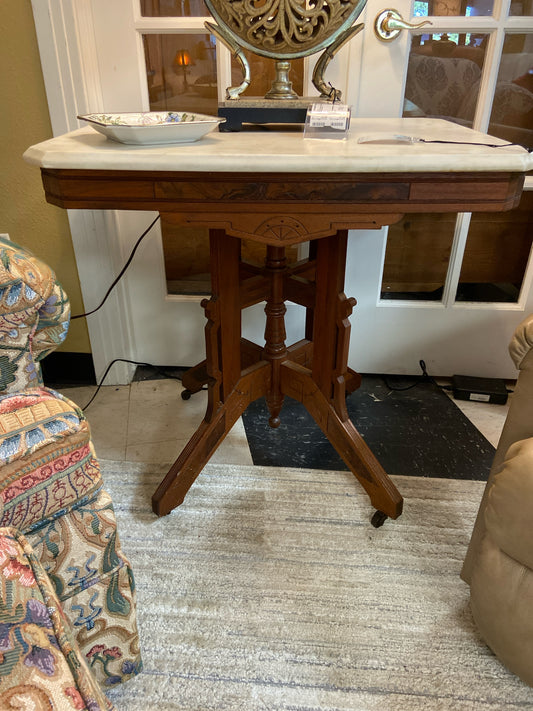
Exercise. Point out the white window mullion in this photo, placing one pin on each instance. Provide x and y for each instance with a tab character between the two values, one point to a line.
141	68
502	9
456	258
489	79
520	24
223	55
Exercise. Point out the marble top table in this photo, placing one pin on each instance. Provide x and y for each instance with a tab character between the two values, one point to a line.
278	188
287	151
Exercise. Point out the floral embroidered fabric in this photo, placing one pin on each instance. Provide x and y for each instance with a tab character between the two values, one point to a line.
51	488
40	664
34	316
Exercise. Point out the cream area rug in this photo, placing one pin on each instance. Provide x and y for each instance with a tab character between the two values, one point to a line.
269	590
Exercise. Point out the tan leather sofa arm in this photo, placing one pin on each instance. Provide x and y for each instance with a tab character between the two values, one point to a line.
518	425
501	584
521	341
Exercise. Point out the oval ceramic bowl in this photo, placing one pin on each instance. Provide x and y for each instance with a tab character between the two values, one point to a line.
153	126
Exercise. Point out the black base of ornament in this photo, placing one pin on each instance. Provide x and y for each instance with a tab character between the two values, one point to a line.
263	111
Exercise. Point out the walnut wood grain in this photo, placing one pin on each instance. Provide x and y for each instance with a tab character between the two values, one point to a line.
275	208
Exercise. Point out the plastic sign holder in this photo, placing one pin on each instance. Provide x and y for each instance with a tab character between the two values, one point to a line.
327	120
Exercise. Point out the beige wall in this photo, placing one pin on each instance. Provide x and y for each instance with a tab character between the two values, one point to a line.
24	213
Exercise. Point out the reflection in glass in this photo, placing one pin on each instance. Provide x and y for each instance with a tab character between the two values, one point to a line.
512	108
496	254
454	8
417	256
181	72
262	71
186	255
173	8
444	76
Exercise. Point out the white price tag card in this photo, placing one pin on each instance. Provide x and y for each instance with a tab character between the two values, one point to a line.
327	120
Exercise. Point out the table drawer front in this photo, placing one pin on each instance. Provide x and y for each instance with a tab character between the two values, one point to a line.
282	191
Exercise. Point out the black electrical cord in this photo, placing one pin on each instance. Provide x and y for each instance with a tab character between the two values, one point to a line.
467	143
133	362
121	273
108	292
425	378
472	143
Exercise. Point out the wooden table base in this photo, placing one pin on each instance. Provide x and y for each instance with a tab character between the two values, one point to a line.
313	371
279	209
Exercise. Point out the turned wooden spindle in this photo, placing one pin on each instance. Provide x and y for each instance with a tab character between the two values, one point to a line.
275	350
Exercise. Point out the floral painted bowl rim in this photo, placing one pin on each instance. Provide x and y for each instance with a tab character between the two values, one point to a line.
142	119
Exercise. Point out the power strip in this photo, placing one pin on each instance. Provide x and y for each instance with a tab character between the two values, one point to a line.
479	389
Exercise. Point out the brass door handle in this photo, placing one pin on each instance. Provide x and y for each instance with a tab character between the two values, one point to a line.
389	23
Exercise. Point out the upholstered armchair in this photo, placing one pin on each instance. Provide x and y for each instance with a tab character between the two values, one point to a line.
499	562
41	666
442	86
51	488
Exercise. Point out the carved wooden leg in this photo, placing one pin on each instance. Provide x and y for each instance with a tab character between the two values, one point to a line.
322	388
298	383
206	439
223	365
330	266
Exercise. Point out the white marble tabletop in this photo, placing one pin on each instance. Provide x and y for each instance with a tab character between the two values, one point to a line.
288	151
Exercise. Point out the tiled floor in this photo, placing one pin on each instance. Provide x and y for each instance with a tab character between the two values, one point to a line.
147	421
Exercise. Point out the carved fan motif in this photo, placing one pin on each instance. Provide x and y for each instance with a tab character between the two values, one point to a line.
284	29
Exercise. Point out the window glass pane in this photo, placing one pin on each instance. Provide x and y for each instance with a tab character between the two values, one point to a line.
173	8
181	72
455	8
417	256
521	7
181	75
186	254
496	254
512	108
262	72
444	76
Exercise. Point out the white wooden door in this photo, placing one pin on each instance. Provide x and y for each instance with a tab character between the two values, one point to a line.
450	333
97	49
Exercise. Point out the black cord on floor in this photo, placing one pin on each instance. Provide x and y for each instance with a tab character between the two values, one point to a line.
133	362
425	378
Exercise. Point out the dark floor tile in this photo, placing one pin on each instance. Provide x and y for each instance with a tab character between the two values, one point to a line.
412	432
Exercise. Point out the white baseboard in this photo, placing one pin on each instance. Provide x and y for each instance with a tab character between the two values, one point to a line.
4	235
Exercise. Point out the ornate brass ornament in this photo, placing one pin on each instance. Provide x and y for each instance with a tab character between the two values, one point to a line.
283	30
